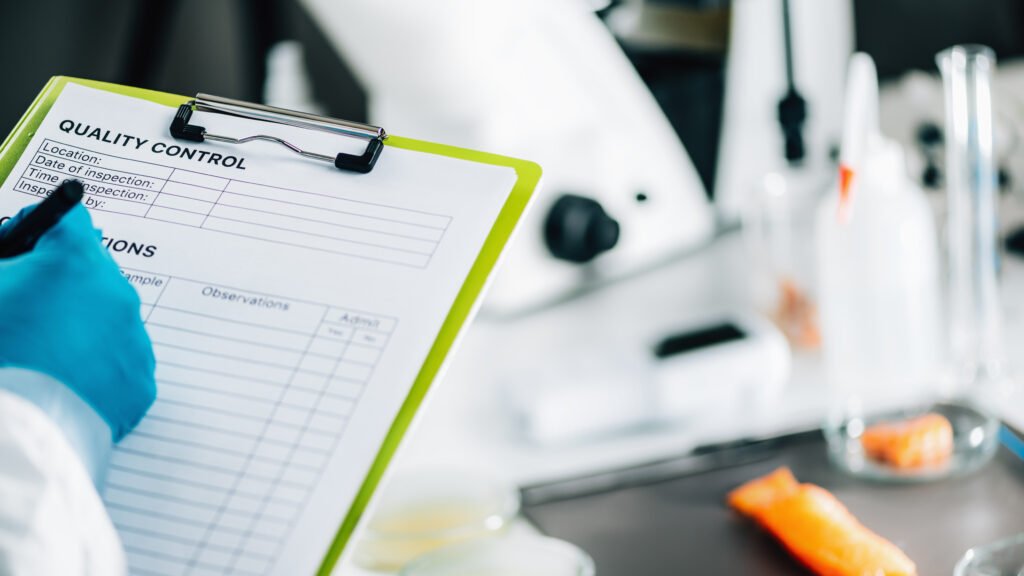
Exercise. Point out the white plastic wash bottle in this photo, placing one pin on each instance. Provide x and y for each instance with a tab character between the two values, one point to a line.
878	265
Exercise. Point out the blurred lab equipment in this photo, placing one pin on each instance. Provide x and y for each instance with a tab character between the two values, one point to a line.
881	310
782	166
546	80
719	362
422	510
878	258
1001	558
974	313
912	109
779	49
509	556
773	168
778	234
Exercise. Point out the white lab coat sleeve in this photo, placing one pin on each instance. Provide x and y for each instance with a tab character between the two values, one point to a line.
52	521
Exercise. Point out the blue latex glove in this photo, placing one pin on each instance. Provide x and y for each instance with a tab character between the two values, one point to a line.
66	311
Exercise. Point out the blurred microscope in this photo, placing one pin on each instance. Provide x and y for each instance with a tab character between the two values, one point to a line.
637	111
653	121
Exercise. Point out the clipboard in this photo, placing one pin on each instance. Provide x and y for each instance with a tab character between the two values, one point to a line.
378	143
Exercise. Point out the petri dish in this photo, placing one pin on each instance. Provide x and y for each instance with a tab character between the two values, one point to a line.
428	509
975	440
511	556
1001	558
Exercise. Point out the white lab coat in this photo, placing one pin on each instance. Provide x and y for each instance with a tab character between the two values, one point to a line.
52	521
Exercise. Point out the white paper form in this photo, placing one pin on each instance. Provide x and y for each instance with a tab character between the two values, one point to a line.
290	306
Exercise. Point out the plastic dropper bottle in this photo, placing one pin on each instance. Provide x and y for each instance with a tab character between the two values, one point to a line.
878	274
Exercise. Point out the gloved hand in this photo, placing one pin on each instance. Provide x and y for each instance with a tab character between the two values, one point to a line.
66	311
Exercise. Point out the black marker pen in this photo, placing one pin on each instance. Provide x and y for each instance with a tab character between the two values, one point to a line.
23	234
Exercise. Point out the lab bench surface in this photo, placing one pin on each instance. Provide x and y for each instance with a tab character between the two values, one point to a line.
681	524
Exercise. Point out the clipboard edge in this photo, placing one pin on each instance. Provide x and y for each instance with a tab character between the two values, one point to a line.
17	140
528	175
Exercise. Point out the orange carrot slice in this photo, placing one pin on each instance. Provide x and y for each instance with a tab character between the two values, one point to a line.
912	443
817	529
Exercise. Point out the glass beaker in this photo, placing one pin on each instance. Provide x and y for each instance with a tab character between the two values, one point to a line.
778	231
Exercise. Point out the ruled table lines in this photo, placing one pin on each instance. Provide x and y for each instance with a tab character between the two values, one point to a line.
286	216
254	393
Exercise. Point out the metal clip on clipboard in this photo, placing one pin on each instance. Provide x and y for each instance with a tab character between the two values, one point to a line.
363	163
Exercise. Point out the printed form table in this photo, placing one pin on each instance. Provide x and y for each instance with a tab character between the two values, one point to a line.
246	416
283	215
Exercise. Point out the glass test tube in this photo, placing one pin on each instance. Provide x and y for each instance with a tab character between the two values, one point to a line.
974	323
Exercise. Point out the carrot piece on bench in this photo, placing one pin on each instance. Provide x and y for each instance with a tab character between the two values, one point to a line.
912	443
817	529
757	495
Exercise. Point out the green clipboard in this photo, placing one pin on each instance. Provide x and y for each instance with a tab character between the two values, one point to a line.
528	176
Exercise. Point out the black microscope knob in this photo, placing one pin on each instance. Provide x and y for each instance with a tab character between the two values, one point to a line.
929	134
931	177
578	229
